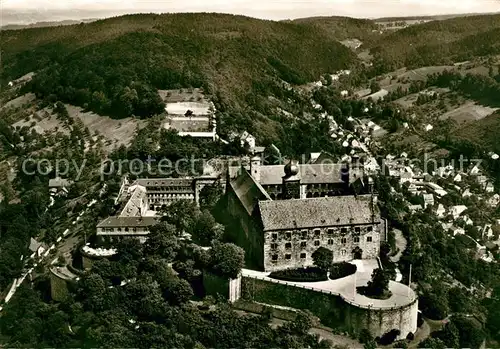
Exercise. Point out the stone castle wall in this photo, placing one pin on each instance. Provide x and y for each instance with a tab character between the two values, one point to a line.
333	309
301	244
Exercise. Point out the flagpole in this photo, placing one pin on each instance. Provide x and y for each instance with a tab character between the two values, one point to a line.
409	283
354	287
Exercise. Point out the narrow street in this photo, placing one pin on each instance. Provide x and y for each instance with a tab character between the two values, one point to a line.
63	246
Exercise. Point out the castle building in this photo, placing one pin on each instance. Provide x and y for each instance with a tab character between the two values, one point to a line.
282	229
142	200
302	181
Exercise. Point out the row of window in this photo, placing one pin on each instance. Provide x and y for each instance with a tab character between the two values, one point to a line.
303	244
126	229
317	232
303	255
150	189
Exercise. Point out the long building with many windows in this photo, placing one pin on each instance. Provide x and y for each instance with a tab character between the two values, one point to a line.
284	233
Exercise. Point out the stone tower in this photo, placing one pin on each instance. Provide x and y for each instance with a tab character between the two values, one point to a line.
255	164
291	181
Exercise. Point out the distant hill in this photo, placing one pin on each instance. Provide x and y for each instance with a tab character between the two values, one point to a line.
436	42
483	132
342	28
46	24
96	64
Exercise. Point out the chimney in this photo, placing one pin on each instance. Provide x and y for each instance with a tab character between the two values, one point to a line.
255	163
344	173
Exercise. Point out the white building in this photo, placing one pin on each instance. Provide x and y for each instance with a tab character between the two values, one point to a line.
456	211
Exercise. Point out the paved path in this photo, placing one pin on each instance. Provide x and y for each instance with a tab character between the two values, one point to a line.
421	334
323	333
400	245
345	287
65	245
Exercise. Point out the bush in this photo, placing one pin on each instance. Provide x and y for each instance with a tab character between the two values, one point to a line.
410	336
309	274
389	337
420	320
342	269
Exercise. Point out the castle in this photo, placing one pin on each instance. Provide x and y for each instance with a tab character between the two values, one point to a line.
281	219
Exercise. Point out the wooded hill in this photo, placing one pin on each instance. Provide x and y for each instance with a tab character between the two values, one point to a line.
438	42
114	66
95	63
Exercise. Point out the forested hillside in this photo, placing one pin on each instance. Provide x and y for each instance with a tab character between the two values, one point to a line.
438	42
113	66
342	28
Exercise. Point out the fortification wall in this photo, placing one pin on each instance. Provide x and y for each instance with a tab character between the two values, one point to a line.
58	288
333	309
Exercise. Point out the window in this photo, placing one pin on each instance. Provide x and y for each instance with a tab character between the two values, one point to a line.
288	245
343	240
274	257
343	230
317	232
288	235
274	236
304	234
356	239
316	243
302	255
303	244
330	241
288	256
126	229
274	246
342	252
330	231
369	239
370	228
134	229
119	229
357	229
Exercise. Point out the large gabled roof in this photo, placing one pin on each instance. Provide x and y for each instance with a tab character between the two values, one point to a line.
248	191
318	212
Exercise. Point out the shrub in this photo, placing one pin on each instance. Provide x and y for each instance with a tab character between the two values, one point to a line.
342	269
420	320
389	337
309	274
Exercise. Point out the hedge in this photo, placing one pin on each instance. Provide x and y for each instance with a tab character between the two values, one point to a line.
309	274
342	269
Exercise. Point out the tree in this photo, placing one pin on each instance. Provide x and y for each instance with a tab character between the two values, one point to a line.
162	241
323	258
374	86
204	229
210	195
432	343
227	259
379	284
471	334
180	214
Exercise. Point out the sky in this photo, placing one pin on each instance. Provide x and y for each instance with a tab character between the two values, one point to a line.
14	10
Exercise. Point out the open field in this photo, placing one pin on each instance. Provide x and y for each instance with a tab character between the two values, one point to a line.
470	111
117	132
182	95
409	100
19	101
